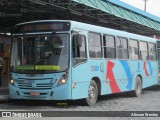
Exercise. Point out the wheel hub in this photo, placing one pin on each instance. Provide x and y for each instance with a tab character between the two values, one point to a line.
92	92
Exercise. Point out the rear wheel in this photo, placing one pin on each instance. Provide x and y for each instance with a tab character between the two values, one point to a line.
138	87
92	93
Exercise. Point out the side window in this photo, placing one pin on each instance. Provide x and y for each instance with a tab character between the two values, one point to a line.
82	49
158	51
79	52
95	45
109	46
158	44
122	48
143	46
133	49
152	51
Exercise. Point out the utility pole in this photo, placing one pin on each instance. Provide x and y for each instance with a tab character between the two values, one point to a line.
145	4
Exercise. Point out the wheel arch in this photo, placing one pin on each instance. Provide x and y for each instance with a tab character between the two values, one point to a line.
139	75
98	82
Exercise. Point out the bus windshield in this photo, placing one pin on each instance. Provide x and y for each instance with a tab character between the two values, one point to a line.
40	53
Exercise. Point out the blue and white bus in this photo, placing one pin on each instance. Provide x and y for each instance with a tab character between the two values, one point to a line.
158	51
68	60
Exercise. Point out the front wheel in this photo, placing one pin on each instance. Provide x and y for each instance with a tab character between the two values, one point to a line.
138	87
92	93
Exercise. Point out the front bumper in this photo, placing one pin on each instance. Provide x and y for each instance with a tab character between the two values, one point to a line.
57	93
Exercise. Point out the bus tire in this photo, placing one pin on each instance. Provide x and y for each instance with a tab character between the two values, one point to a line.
92	93
138	87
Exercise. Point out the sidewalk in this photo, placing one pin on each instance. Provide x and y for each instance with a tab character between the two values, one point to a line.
4	92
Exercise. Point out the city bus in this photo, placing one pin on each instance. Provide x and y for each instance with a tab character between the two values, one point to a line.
69	60
158	51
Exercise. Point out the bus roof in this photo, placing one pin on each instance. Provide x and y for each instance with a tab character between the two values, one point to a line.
113	32
99	29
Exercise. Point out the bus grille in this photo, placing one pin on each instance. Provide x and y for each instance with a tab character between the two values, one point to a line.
35	86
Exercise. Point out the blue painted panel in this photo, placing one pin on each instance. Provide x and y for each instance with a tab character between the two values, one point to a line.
43	84
83	74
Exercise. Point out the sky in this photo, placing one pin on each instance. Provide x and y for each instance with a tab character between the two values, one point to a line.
153	6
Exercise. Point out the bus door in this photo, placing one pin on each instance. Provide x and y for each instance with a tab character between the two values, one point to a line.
79	64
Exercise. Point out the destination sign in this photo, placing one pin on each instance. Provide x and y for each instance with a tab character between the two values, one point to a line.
37	67
42	27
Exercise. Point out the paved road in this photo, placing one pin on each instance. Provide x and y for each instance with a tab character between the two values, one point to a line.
149	101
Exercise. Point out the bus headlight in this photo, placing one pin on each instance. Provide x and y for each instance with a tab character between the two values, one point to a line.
63	79
11	82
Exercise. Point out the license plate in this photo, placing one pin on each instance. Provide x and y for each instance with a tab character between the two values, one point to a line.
34	93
